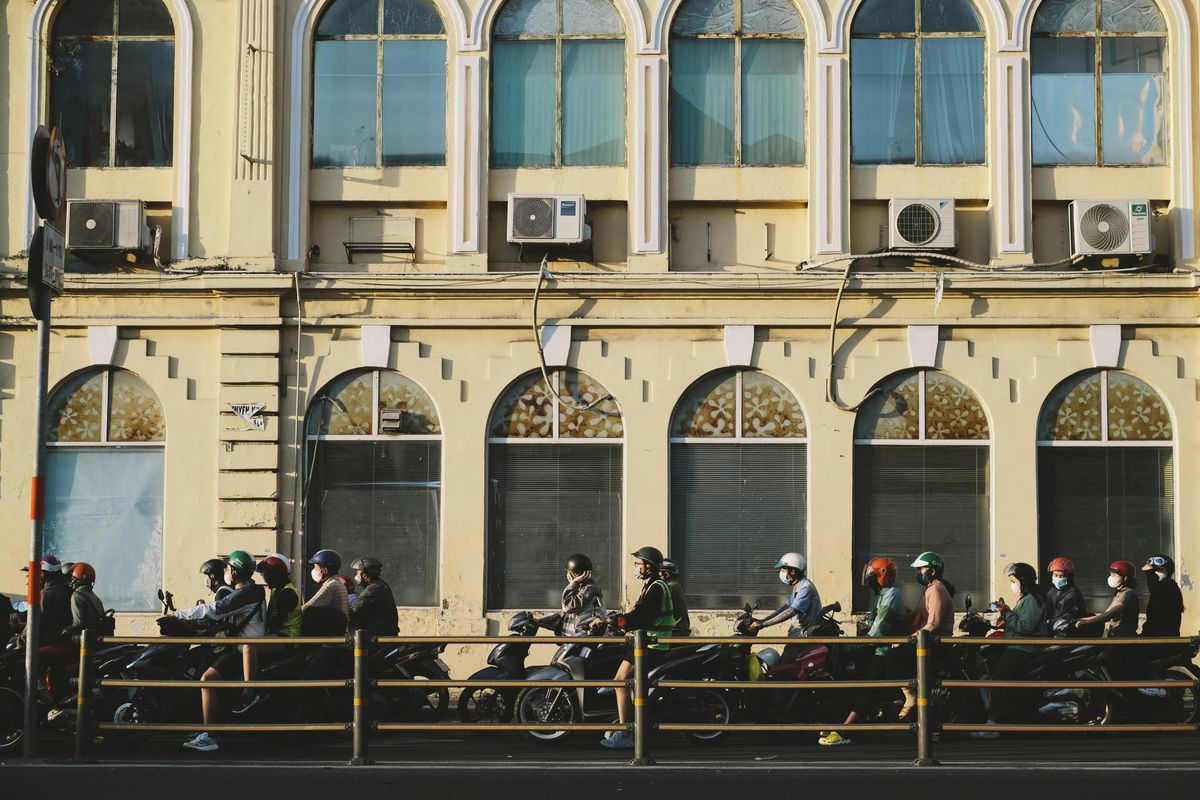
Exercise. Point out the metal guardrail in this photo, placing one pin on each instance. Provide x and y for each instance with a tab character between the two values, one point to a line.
641	727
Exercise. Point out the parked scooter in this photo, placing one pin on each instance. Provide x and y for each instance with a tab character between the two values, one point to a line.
416	663
506	662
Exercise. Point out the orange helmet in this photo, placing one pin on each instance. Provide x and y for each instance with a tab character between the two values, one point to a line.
84	572
1061	564
883	569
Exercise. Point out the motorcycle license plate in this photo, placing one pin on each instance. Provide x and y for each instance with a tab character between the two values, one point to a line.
442	665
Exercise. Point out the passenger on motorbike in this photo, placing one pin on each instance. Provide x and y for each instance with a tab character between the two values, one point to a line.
1164	609
56	604
670	574
328	610
653	612
803	603
1121	615
934	614
374	610
243	614
1026	619
213	571
1064	601
283	618
582	601
87	614
889	617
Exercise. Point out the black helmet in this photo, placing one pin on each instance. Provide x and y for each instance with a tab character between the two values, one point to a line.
669	567
368	565
1025	573
328	559
213	568
579	563
1160	561
651	555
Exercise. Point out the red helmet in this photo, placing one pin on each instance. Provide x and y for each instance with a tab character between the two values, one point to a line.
1123	568
272	566
348	582
884	570
1061	564
84	572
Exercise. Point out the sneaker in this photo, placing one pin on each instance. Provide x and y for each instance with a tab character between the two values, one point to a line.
251	703
985	734
605	690
201	742
61	714
832	739
620	740
1157	692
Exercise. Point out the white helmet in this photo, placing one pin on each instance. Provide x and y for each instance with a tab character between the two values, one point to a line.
793	561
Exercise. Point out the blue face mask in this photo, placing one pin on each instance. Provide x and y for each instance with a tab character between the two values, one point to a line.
1061	583
783	577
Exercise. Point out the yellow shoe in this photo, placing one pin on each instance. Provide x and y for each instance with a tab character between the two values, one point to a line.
832	739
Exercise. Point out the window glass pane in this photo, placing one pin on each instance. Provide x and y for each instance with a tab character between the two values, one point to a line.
344	103
105	506
952	411
1131	16
75	409
601	421
1065	16
1064	100
80	98
709	409
527	18
1099	504
546	501
145	104
949	16
134	413
882	101
145	18
350	18
885	16
1135	411
1134	88
411	17
702	81
526	411
381	499
414	102
734	509
593	84
84	18
894	412
908	499
523	98
1072	411
772	102
348	411
771	16
952	101
769	409
399	392
591	17
704	16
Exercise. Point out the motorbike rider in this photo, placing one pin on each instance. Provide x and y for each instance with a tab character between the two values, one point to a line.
213	571
653	612
582	600
374	610
1064	601
1121	615
56	603
329	608
670	574
243	614
889	617
803	603
87	614
1025	619
934	614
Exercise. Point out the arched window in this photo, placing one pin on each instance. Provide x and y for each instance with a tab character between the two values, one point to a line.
558	84
737	83
1099	82
379	85
374	482
554	488
105	434
112	82
921	479
1106	476
739	479
916	83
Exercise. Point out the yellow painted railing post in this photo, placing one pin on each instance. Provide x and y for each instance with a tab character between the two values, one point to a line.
924	716
361	693
82	695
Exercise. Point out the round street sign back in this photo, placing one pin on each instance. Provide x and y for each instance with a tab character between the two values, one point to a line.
48	173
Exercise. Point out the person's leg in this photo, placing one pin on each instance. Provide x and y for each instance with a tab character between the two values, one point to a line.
901	665
624	706
208	697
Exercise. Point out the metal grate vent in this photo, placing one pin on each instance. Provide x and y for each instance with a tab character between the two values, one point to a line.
92	224
533	217
917	223
1104	227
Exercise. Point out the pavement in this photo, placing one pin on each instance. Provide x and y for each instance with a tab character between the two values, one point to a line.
510	766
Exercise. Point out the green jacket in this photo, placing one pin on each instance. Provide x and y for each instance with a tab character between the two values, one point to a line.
889	617
1027	620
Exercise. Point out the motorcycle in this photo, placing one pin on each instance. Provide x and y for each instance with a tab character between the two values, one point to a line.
505	662
416	663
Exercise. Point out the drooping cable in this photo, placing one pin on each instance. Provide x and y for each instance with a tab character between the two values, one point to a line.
543	274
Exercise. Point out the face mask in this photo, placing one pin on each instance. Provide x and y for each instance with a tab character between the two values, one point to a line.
924	578
1114	581
315	575
783	577
1162	576
1061	583
1016	587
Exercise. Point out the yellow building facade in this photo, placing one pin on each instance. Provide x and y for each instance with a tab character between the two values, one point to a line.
289	390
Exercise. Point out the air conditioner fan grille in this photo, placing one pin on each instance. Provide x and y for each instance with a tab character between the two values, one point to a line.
533	217
917	223
1104	227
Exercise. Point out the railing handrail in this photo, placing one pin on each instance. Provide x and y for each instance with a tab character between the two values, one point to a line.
275	641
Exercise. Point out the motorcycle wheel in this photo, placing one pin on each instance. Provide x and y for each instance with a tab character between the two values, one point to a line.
429	705
485	705
701	707
140	708
1180	704
1096	708
12	719
543	705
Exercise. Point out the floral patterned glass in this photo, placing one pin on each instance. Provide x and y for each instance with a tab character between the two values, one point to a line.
769	409
1135	411
601	421
709	409
1072	412
525	411
134	413
894	412
951	410
76	409
399	392
354	392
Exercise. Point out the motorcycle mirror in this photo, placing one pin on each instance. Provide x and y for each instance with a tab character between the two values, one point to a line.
160	595
21	607
747	608
967	602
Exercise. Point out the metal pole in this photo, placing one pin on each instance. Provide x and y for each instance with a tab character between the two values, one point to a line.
641	722
33	622
359	724
82	695
924	719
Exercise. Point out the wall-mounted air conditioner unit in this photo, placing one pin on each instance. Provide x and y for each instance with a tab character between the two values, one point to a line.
547	219
921	223
1110	227
107	226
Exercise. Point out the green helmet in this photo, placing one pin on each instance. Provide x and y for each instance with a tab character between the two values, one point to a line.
930	559
241	562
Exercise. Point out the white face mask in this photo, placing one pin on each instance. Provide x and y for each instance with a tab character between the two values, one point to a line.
316	575
1016	587
783	576
1114	581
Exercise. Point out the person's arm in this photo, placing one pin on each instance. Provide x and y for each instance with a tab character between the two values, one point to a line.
578	596
1112	612
367	599
885	612
322	597
797	605
1026	618
938	606
645	612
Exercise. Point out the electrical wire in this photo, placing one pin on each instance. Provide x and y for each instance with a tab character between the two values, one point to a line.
544	273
